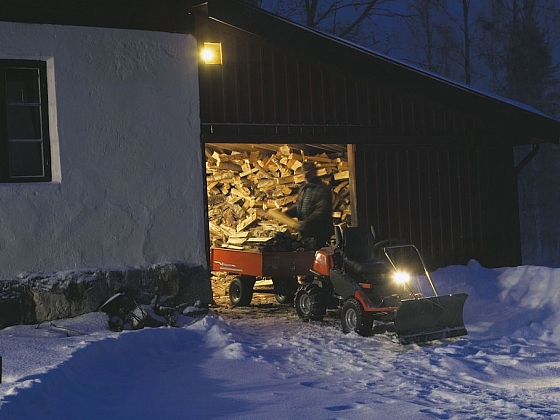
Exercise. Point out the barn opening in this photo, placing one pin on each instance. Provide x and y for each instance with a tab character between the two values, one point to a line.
245	181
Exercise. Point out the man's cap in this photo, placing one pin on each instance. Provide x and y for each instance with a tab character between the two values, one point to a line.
308	166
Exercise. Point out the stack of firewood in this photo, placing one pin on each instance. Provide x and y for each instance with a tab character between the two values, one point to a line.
243	186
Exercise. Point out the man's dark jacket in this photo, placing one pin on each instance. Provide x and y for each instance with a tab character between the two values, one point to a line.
318	222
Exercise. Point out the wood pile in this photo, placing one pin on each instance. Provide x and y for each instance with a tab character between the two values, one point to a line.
243	186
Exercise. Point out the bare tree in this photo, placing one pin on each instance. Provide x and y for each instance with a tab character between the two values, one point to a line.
517	50
466	30
354	20
432	41
445	30
462	16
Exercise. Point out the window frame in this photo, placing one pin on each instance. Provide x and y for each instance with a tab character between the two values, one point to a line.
43	106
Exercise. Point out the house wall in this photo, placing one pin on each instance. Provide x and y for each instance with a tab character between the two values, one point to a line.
127	165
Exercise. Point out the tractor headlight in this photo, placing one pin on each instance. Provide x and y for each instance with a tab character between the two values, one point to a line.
401	277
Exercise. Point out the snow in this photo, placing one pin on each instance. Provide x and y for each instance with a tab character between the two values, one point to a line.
277	367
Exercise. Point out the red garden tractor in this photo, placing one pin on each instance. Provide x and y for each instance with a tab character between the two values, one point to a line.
368	282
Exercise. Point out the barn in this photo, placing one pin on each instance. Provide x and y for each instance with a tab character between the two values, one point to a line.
108	112
431	161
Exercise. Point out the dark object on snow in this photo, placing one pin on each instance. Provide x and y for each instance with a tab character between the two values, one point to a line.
117	304
34	298
119	308
125	314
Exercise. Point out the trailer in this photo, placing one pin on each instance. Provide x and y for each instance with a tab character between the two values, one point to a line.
283	268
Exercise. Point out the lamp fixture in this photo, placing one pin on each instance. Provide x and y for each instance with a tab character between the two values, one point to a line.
211	53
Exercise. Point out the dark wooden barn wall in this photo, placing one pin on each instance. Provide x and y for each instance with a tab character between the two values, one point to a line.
425	171
454	203
263	89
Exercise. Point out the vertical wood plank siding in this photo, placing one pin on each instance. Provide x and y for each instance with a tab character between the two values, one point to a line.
423	170
437	199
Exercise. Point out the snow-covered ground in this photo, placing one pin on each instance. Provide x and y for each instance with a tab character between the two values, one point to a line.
276	367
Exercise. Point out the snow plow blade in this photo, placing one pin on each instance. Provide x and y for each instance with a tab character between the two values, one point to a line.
431	318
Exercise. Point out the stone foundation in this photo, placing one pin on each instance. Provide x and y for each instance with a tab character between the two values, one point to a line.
33	298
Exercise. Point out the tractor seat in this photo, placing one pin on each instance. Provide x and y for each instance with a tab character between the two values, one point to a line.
358	256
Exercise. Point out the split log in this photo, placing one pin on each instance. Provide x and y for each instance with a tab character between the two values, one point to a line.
285	219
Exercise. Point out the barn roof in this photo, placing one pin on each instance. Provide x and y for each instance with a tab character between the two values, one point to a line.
176	16
535	125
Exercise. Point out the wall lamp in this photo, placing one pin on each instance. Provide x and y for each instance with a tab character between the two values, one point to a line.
211	53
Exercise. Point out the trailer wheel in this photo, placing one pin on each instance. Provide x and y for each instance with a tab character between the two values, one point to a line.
354	318
311	302
286	288
241	290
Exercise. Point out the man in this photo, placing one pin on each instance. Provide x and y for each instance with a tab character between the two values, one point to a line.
313	208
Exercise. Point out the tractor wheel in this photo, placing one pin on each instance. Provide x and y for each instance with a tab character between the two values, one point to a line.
286	288
354	318
311	302
241	290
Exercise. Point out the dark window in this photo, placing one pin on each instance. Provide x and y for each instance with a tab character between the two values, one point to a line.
24	129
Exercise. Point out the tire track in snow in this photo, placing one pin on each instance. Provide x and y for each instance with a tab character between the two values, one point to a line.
448	379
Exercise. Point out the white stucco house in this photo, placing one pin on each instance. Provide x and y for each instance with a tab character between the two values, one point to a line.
100	157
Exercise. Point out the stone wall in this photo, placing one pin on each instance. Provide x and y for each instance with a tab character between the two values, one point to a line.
33	298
